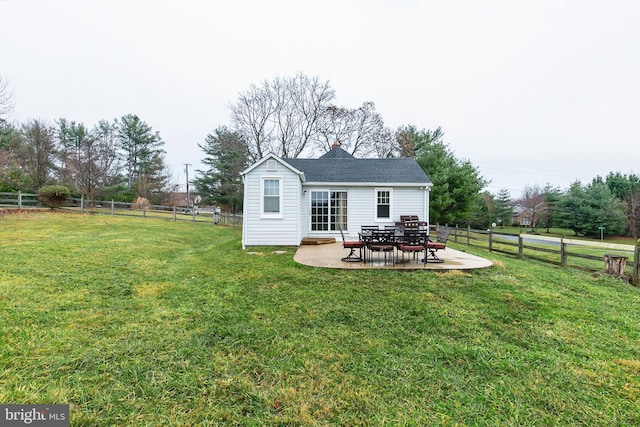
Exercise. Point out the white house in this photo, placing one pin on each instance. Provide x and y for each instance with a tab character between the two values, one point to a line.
286	200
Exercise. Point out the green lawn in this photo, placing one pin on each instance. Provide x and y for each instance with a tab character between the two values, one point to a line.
138	321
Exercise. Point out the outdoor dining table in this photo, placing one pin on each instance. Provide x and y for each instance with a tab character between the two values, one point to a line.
366	236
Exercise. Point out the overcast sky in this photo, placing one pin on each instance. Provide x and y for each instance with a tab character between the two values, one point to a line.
531	92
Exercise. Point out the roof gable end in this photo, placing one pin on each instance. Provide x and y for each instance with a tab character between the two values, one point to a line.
277	159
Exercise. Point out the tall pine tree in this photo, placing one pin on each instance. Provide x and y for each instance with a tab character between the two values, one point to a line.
226	156
456	183
142	152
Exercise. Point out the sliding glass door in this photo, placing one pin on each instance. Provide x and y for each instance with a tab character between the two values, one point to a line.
328	210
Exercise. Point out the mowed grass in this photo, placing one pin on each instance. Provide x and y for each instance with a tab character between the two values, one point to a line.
137	321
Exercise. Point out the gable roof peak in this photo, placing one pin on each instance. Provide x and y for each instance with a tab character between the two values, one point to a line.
336	152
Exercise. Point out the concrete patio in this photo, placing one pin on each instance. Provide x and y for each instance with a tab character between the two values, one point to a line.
329	256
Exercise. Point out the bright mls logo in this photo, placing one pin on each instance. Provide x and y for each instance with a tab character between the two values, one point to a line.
36	415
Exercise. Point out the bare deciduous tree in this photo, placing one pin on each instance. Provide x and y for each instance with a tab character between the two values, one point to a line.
88	159
281	116
252	116
631	203
108	162
533	198
360	131
6	99
39	143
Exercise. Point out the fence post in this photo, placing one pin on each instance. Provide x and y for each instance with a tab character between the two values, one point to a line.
455	236
19	199
82	204
563	253
193	214
520	246
144	210
636	263
490	240
174	213
111	206
468	235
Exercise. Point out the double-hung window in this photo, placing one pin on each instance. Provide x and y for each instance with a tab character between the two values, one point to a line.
271	197
383	204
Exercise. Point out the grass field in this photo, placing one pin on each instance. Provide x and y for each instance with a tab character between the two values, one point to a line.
156	323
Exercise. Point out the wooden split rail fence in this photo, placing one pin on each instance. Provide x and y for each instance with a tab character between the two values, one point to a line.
176	213
616	259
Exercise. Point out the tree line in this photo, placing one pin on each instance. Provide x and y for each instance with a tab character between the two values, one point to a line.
292	117
296	116
117	160
120	160
605	206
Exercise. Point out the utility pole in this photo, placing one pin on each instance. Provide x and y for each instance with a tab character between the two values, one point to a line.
186	171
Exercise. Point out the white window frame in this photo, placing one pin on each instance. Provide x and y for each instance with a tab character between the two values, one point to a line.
375	204
271	215
330	223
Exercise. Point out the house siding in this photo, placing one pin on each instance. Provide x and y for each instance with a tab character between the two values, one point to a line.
258	230
336	170
361	207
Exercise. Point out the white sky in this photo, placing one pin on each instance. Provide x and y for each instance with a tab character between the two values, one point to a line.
530	91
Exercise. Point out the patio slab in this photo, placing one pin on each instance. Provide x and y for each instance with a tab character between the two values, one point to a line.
329	256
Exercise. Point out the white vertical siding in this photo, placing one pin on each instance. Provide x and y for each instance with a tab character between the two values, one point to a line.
410	201
260	231
361	208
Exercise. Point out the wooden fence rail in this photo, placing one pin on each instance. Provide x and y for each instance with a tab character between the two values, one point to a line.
575	253
211	215
19	200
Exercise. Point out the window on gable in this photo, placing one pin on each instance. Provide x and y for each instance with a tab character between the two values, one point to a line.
383	204
272	196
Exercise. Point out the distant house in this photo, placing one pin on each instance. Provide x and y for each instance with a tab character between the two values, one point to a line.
286	200
526	216
521	216
177	198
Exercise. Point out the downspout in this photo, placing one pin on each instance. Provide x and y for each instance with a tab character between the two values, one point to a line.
427	189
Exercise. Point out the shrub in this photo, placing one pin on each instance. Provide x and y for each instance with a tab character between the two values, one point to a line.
54	195
140	203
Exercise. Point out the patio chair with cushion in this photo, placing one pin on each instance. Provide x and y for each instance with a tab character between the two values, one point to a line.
413	242
441	243
382	241
366	235
352	245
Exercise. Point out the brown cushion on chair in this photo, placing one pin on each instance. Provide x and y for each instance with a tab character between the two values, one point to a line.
381	247
411	248
436	245
353	244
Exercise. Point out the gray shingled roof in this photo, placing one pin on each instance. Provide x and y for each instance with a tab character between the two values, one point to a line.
339	166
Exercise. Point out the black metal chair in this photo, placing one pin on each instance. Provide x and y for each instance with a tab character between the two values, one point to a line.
352	245
366	235
414	242
440	244
383	241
